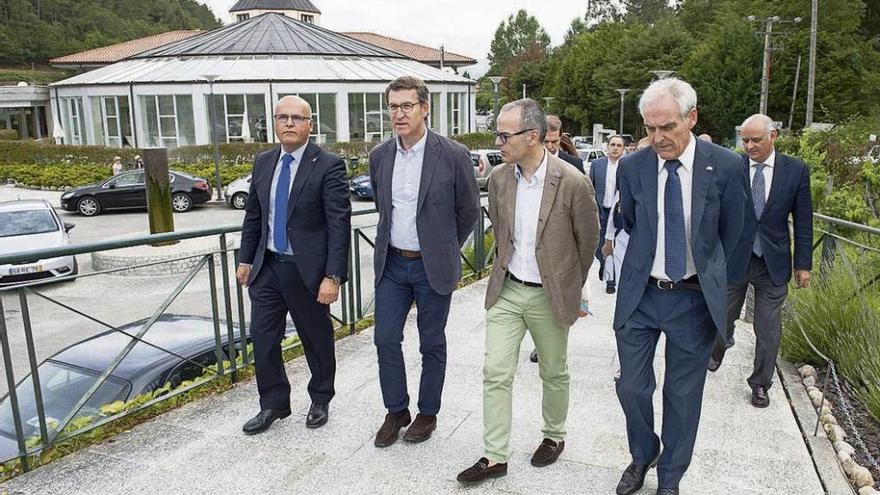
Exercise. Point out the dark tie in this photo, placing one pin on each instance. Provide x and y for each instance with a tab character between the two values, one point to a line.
282	194
673	215
758	195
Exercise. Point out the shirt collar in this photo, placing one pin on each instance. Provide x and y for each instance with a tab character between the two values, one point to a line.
538	175
297	153
770	161
686	158
417	148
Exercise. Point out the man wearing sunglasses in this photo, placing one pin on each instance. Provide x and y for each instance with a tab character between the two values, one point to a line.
546	228
294	256
428	202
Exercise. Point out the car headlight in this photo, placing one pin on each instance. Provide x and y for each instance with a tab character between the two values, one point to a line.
67	195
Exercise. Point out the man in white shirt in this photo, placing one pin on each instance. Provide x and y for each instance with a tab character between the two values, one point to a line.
603	175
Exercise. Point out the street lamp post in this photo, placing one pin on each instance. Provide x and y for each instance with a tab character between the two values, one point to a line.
496	80
547	101
211	78
623	92
768	54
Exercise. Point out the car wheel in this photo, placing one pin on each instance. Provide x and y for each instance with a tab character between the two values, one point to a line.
239	200
181	202
88	206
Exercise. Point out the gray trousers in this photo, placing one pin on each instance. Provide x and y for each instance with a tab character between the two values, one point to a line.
768	319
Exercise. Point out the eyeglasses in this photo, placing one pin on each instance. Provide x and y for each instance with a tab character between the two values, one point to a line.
283	118
406	108
505	136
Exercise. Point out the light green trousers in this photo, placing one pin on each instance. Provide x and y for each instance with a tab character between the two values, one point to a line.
520	308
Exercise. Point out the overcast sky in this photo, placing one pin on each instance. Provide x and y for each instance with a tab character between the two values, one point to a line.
462	26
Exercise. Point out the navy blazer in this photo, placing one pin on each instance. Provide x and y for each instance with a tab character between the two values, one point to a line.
718	203
447	209
598	174
318	215
789	195
574	160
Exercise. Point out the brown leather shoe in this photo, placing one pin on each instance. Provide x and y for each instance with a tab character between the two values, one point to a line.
481	471
547	453
421	428
390	429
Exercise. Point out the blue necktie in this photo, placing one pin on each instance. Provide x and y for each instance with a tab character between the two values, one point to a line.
673	216
282	194
758	195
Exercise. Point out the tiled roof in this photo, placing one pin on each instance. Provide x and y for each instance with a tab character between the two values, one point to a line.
120	51
303	5
424	54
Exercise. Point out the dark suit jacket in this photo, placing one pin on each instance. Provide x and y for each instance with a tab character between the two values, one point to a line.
598	174
789	195
574	160
318	215
447	209
718	203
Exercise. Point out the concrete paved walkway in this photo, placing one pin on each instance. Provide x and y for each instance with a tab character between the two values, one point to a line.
199	448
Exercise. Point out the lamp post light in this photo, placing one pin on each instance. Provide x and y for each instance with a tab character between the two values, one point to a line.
623	92
662	74
211	78
496	80
547	101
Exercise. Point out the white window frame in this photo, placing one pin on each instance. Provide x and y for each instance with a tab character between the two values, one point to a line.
75	126
159	116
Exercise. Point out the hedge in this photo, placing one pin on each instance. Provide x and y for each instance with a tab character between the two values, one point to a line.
8	134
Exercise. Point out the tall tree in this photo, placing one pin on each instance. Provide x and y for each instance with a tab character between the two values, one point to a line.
514	37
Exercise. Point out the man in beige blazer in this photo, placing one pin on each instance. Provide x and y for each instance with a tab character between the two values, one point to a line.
546	230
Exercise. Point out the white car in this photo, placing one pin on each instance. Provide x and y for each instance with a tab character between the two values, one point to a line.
237	192
29	225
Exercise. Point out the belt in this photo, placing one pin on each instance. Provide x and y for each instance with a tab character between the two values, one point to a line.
523	282
692	283
282	257
406	253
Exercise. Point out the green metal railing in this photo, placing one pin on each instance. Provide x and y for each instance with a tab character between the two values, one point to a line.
351	310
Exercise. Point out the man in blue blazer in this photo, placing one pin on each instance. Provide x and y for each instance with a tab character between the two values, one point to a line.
603	175
294	256
683	203
780	187
428	202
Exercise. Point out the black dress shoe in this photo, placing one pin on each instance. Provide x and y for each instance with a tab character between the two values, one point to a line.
667	491
390	429
481	471
759	396
547	453
317	416
263	420
534	356
634	476
716	359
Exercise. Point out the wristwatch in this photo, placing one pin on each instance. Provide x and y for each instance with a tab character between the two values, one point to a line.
335	278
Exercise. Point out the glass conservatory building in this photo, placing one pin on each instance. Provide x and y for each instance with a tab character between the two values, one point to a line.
231	77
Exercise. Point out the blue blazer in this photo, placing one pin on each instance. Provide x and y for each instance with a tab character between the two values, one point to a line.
318	215
718	204
789	195
598	175
447	209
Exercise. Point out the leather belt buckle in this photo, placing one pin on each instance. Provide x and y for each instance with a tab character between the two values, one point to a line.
407	253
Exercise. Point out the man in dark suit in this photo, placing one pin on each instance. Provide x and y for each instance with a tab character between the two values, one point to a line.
552	140
603	175
780	186
428	202
294	256
683	203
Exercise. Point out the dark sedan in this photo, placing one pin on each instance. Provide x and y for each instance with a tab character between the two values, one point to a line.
128	190
361	187
66	376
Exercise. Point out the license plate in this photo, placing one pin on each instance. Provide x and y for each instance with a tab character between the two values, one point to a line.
20	270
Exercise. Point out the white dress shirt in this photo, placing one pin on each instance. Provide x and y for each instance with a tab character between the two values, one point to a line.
609	226
768	172
610	183
294	166
686	177
405	180
523	263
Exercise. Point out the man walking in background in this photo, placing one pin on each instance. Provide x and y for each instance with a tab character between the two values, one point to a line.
603	175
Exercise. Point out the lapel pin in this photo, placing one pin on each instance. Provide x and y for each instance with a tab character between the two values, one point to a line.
709	168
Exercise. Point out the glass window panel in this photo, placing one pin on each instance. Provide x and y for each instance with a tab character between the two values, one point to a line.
327	110
256	116
166	105
235	104
113	127
234	126
435	112
98	121
150	120
312	99
217	112
168	127
356	116
186	129
125	121
110	105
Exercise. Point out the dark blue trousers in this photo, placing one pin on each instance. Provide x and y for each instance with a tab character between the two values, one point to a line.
682	316
403	282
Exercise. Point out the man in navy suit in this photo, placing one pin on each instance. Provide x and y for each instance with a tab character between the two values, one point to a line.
428	202
603	175
683	203
294	256
780	186
552	140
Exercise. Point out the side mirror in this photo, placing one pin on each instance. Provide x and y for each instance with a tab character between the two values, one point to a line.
68	226
111	185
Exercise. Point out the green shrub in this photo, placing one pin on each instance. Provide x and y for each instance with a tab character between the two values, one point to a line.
476	140
8	134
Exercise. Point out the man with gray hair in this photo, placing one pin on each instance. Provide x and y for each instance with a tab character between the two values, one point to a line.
546	229
683	203
780	187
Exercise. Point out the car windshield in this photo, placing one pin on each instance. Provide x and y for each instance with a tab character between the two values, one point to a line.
62	387
13	223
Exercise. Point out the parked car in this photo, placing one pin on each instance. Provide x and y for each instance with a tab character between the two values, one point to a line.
28	225
590	154
361	187
484	162
582	141
128	190
66	376
237	192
